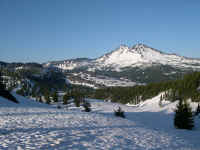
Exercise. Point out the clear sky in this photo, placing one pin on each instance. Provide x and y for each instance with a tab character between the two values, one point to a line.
46	30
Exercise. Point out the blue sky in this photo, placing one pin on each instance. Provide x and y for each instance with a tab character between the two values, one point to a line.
46	30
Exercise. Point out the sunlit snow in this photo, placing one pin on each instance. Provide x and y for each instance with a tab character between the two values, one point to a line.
31	125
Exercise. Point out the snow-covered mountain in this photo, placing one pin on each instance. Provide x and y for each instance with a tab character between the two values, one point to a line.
139	55
138	64
144	56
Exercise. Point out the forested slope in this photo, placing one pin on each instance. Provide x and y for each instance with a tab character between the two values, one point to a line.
186	87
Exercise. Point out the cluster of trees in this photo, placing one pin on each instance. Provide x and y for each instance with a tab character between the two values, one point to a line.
185	87
2	87
33	82
183	118
79	99
5	93
77	95
11	79
26	88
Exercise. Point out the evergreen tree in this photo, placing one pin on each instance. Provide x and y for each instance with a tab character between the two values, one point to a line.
119	112
78	97
66	98
40	99
183	116
47	98
198	109
87	106
160	101
55	97
5	93
77	100
2	86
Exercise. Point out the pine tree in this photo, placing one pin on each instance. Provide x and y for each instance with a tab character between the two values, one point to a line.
119	112
160	101
197	110
2	86
77	100
87	106
183	116
40	99
55	97
48	100
5	93
66	98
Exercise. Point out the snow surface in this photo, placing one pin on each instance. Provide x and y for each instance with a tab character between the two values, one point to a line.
31	125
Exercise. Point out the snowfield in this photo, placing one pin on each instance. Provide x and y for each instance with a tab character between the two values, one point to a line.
31	125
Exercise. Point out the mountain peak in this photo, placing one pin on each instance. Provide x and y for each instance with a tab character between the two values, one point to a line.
141	45
123	46
143	48
138	45
140	48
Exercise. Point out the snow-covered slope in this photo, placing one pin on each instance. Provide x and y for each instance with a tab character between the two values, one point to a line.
23	102
39	126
